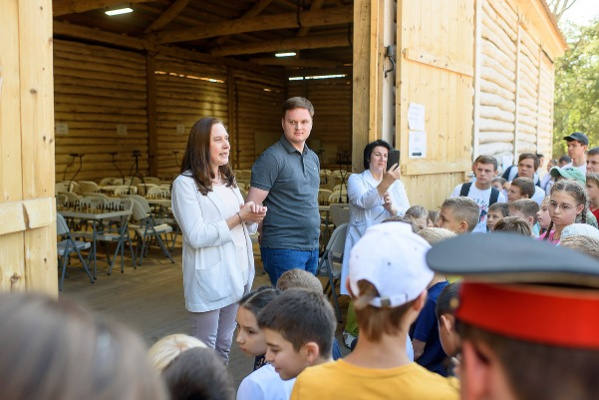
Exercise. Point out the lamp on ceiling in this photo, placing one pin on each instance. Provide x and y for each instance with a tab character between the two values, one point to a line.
118	11
286	54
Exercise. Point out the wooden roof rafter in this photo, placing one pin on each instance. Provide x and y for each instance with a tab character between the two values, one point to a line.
166	17
64	7
329	16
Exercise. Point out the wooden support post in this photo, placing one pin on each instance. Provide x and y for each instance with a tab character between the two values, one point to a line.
369	83
361	81
152	117
232	115
28	237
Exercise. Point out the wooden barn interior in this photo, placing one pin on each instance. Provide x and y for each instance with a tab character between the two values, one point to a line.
82	91
139	81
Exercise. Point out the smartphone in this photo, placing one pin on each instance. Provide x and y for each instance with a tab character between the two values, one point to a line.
393	158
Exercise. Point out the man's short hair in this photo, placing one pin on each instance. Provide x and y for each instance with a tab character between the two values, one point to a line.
565	159
499	179
297	102
585	244
526	185
299	279
434	235
532	156
448	299
464	209
528	207
405	219
559	364
198	373
512	224
301	316
486	160
376	321
593	177
593	152
502	207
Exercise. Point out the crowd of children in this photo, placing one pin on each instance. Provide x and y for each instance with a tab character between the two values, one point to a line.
507	328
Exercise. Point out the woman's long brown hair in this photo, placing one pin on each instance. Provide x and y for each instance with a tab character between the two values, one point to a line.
197	157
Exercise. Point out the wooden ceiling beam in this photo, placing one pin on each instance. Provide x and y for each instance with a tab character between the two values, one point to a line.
314	42
329	16
252	12
297	63
304	30
320	71
64	7
166	17
82	32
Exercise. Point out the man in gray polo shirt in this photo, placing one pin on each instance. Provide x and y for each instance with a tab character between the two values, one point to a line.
286	178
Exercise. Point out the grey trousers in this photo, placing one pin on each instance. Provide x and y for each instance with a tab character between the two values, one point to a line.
215	328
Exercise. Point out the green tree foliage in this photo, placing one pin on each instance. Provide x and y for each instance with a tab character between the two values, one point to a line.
577	87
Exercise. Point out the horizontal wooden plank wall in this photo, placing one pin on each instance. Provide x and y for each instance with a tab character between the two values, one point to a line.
516	85
258	100
546	93
435	69
185	92
332	100
98	91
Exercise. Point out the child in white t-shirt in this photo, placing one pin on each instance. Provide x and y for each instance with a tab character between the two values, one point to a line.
264	383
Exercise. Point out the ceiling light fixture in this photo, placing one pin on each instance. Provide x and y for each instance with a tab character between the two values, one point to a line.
287	54
118	11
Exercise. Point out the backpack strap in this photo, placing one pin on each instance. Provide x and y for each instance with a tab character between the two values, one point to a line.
494	196
465	189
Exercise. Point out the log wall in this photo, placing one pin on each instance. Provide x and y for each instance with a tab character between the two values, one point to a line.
99	90
257	100
332	131
101	95
514	95
185	92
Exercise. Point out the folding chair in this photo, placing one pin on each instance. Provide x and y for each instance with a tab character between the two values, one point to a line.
147	228
331	261
117	231
67	246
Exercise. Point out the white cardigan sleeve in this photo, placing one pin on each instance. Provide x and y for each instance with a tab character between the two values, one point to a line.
188	213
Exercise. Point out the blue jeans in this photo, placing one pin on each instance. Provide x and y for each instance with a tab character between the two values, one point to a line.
277	261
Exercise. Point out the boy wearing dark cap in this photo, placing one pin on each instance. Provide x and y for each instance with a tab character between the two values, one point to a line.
578	143
528	324
387	280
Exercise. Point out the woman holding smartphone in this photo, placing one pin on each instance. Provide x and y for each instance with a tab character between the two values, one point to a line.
374	195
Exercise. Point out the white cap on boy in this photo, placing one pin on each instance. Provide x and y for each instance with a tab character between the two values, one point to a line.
392	258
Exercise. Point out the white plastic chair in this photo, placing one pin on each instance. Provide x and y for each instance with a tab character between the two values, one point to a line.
147	228
143	188
88	187
66	247
125	190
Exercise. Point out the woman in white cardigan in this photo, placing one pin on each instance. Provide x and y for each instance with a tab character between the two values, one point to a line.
218	262
374	195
